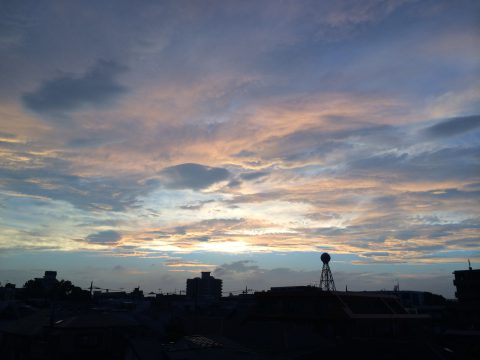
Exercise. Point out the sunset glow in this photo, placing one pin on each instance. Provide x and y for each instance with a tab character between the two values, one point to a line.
232	132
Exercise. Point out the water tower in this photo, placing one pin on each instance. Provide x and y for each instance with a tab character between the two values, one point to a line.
326	279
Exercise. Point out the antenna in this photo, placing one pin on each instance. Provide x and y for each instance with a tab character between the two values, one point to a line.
396	286
326	279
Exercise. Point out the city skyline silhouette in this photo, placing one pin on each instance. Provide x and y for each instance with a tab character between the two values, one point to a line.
237	179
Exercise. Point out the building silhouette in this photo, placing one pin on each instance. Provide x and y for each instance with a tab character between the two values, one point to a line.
49	279
467	283
290	322
205	288
467	309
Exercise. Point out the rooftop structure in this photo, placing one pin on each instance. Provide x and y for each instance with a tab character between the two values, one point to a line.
50	275
49	279
346	303
467	283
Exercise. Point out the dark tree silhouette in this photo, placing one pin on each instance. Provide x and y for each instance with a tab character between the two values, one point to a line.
34	289
59	290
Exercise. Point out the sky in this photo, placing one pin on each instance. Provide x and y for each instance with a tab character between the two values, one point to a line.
142	142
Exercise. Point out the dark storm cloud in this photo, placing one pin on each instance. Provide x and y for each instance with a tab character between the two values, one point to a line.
192	176
98	86
107	237
454	126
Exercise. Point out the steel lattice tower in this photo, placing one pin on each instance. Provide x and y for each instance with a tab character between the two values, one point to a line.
326	279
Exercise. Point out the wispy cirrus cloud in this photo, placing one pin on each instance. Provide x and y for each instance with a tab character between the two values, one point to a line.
300	127
454	126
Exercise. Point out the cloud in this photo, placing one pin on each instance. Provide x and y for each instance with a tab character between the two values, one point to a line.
181	230
244	153
119	268
181	263
235	183
253	175
7	136
14	24
196	206
32	170
96	138
53	181
107	237
320	142
449	163
98	86
242	266
454	126
200	238
192	176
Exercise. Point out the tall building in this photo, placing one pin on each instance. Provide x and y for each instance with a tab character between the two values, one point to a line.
206	288
467	283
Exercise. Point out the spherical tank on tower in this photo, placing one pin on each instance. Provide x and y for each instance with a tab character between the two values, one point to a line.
326	279
325	258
